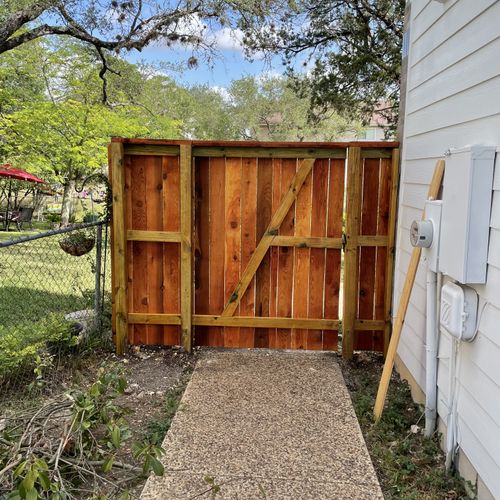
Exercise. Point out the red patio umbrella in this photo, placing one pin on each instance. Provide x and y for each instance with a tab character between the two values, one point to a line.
6	170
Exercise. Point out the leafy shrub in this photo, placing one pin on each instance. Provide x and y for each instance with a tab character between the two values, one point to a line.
52	217
70	444
23	346
90	217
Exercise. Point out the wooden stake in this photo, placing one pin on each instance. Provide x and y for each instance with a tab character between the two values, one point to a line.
354	170
119	245
403	303
186	188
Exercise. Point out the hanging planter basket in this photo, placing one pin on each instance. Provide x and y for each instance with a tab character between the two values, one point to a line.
77	245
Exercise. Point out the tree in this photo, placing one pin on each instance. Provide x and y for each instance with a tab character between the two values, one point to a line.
350	52
268	109
55	124
63	142
114	25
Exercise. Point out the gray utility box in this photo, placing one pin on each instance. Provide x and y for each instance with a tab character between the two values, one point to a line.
465	219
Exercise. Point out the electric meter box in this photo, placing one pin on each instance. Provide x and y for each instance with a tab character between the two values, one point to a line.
465	217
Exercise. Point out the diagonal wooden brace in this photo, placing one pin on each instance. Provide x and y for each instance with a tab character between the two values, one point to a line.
270	233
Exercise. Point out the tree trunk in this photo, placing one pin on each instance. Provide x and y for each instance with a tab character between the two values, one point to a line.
67	202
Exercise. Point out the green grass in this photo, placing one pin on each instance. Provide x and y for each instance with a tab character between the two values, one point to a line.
409	466
37	278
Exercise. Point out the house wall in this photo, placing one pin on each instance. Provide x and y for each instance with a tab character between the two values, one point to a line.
452	100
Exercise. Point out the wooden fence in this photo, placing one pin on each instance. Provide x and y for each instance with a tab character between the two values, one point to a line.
239	244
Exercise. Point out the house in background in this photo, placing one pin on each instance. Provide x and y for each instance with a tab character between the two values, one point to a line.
451	99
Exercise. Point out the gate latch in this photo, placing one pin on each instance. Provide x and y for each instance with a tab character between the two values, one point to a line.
344	241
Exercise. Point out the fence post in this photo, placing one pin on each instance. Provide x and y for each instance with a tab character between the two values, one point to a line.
353	213
98	270
391	238
119	245
186	197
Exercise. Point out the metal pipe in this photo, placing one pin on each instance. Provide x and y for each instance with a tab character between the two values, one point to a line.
431	347
52	232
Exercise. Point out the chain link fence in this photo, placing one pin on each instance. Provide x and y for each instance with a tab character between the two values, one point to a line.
54	294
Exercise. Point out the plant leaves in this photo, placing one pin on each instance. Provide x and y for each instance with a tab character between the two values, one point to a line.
157	467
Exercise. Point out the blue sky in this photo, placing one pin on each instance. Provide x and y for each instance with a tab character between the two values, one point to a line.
229	65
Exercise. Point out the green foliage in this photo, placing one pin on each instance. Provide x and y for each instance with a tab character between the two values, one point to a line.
409	465
29	351
63	141
149	453
19	84
268	109
95	432
351	50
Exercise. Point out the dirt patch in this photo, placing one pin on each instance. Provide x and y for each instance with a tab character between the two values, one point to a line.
151	373
408	465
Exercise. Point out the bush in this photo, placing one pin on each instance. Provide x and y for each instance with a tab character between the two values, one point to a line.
55	218
22	346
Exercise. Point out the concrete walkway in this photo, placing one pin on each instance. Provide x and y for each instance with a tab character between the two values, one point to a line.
261	424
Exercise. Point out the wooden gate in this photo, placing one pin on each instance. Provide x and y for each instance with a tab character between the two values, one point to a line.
239	244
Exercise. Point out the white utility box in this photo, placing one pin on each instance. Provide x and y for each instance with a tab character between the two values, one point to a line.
458	311
465	218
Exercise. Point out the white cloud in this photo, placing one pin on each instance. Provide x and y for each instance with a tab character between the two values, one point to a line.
223	92
228	39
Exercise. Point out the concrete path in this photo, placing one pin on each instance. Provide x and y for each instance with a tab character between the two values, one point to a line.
261	424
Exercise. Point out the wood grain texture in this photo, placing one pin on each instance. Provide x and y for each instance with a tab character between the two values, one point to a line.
263	275
217	237
259	144
119	246
391	238
353	216
381	257
259	237
139	164
301	262
248	242
130	254
294	183
171	251
317	262
154	235
274	252
307	241
336	185
367	255
202	245
232	196
286	255
186	197
154	250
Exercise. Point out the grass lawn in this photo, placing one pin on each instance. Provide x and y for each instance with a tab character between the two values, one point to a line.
37	278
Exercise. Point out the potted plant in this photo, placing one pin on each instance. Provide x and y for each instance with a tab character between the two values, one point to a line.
78	243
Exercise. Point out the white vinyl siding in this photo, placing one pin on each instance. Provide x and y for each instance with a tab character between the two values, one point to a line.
453	100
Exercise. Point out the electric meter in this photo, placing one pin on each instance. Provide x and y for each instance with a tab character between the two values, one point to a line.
421	233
